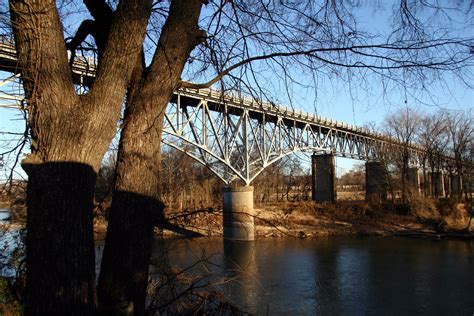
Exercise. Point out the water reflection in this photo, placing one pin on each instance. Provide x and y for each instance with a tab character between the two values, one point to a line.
11	254
351	276
374	276
239	255
341	279
4	214
241	267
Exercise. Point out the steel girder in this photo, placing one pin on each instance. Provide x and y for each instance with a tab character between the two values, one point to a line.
11	93
236	138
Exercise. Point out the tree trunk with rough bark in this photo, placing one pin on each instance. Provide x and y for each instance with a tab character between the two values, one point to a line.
69	135
136	207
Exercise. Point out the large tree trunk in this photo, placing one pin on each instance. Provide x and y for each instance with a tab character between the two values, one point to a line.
60	244
69	135
135	210
136	206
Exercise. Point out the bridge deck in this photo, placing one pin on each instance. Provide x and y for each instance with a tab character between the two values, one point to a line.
259	110
347	140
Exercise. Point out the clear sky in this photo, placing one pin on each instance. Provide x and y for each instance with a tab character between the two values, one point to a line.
358	103
11	123
340	106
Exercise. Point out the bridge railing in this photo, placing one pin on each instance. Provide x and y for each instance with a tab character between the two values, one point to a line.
7	47
85	66
89	62
236	99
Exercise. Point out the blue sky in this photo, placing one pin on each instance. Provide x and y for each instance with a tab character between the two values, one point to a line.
11	121
340	106
360	102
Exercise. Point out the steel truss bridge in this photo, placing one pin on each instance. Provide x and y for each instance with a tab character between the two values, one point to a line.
238	137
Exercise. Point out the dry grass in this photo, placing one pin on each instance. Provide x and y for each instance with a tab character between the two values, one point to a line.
307	218
357	217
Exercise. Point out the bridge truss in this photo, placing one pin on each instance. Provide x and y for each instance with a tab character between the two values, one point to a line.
237	137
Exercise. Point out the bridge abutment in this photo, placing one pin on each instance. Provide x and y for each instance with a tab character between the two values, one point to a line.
323	178
376	181
237	204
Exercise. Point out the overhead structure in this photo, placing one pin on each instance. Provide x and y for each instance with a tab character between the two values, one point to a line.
238	137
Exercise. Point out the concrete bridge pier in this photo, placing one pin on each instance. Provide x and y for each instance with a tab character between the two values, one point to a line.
437	184
447	185
456	185
376	181
413	177
237	205
323	178
426	183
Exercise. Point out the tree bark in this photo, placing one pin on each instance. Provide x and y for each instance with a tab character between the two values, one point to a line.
69	136
137	206
60	245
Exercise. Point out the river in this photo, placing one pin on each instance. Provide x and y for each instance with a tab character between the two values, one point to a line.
4	214
334	276
355	276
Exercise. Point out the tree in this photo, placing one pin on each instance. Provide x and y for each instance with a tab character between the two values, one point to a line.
403	126
433	138
461	134
186	184
69	135
241	45
136	206
354	177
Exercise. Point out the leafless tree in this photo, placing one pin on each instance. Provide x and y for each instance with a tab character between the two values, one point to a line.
69	136
461	136
186	184
403	126
241	45
433	137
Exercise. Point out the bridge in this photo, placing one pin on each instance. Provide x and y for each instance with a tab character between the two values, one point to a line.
238	137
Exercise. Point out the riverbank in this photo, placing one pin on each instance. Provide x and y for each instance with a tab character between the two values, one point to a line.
311	220
306	219
314	222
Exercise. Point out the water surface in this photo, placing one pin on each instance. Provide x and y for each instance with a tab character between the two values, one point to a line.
10	240
358	276
352	276
4	214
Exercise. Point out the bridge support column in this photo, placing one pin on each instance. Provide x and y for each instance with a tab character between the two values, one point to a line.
323	175
413	177
447	185
437	184
376	181
238	213
426	183
456	185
